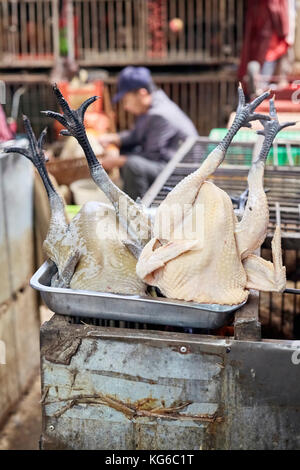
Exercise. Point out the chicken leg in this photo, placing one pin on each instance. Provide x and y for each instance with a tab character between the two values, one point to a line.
186	191
193	254
252	229
131	215
88	252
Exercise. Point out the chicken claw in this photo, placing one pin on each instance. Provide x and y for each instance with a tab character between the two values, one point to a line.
244	115
131	215
35	151
271	128
245	112
71	119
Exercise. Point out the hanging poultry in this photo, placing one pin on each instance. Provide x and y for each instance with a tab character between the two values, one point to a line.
131	215
89	251
202	253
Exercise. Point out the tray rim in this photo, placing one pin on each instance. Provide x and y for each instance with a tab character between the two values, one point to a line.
215	308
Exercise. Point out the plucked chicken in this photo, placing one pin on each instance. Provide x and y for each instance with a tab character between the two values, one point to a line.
89	251
199	251
131	215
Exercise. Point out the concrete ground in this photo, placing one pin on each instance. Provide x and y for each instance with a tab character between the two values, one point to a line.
23	428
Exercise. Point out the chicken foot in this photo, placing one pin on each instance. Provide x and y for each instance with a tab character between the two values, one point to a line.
131	215
252	229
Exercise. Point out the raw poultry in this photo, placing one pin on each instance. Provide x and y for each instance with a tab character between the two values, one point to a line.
197	250
203	253
130	214
88	251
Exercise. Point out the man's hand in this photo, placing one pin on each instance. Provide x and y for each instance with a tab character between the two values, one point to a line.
106	139
113	160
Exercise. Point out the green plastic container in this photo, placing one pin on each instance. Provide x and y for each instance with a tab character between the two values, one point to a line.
72	210
251	136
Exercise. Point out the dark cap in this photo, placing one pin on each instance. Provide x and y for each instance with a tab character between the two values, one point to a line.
133	78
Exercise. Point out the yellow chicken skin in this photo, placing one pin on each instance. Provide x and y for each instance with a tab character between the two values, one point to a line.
216	265
89	252
191	269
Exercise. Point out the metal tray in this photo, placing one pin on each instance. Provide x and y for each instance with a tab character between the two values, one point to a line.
133	308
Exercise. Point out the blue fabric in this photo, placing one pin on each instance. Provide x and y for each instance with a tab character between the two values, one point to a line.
159	132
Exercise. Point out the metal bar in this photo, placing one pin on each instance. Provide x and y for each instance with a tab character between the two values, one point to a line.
239	27
81	50
292	291
128	23
23	27
172	37
222	22
111	27
55	30
48	26
275	153
199	24
103	29
289	153
32	25
86	24
167	171
15	33
207	50
230	23
181	41
5	26
94	25
40	25
190	28
70	31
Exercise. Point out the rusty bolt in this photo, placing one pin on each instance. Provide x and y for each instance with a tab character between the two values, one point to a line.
183	349
51	428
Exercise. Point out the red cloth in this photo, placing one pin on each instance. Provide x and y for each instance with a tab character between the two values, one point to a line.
5	132
277	48
264	18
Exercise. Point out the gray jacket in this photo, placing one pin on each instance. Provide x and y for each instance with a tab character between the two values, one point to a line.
158	133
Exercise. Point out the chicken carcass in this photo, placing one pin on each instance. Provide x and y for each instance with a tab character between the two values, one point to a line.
131	215
89	252
199	251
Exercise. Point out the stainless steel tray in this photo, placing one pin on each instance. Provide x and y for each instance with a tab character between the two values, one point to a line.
131	308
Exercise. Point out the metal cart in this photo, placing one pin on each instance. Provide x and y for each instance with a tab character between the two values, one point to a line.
111	380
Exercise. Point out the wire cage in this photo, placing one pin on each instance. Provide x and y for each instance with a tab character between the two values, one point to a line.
193	93
38	96
29	33
118	32
161	32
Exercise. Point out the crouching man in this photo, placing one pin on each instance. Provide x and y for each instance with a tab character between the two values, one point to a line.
160	128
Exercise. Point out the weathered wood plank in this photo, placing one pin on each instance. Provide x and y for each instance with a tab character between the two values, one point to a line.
246	324
9	382
17	177
5	283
